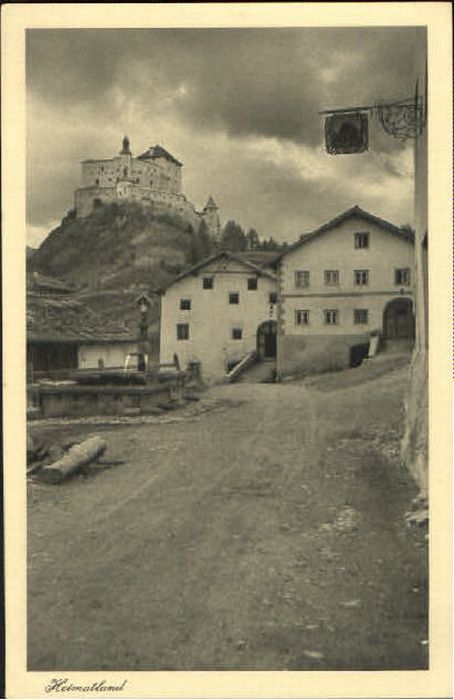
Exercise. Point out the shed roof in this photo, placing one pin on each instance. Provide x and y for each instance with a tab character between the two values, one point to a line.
44	283
56	316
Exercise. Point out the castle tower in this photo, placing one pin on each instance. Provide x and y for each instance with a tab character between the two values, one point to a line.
126	150
125	155
210	215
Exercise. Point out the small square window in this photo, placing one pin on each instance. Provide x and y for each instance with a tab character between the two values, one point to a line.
182	331
361	277
252	283
302	317
361	316
361	240
185	304
208	283
331	278
272	297
237	333
301	278
234	298
402	276
331	317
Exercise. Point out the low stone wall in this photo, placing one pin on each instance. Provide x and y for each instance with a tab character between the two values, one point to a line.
309	354
75	400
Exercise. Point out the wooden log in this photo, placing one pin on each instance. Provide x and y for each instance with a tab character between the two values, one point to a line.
77	457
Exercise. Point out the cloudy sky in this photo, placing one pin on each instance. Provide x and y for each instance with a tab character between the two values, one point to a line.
240	109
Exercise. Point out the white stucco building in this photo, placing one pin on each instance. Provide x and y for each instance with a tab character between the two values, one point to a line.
352	276
313	308
217	312
66	333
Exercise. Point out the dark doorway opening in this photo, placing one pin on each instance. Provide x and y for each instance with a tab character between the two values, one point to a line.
358	353
267	340
398	321
51	356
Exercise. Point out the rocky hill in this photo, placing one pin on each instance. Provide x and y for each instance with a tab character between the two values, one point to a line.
112	255
117	247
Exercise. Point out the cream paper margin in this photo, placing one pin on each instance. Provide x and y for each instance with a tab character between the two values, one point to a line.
436	16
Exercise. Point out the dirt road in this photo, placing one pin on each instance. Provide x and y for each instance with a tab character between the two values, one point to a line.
265	536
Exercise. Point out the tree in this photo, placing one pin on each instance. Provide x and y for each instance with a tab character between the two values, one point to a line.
204	239
195	252
253	239
272	244
233	237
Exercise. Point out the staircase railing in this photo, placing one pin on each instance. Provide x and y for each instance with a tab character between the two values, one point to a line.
247	361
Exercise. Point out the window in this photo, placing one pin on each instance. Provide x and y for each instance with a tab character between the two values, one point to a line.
208	283
234	298
252	283
402	276
237	333
361	240
361	277
360	316
185	304
332	277
301	278
182	331
331	317
302	317
272	298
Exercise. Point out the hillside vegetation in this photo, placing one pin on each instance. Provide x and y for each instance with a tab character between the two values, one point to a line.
116	247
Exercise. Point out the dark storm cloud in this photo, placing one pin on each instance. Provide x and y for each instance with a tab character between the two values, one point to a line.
269	82
220	99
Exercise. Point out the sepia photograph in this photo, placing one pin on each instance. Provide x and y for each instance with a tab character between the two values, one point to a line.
227	350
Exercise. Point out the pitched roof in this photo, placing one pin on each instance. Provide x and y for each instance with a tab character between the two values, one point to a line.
158	152
211	204
195	269
55	316
355	211
43	283
261	258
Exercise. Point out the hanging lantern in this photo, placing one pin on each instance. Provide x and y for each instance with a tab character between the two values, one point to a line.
346	132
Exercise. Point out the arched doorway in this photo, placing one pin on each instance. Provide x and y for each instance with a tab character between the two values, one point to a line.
398	319
266	340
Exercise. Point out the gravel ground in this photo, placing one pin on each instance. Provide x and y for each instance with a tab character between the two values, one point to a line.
265	534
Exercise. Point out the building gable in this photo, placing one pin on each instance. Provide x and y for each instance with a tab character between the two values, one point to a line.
224	262
353	214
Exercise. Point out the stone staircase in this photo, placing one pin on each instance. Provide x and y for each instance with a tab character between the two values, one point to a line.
262	372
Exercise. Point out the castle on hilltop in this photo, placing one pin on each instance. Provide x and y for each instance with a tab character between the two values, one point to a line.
152	179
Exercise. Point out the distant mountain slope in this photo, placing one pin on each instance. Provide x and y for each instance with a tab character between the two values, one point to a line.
116	247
